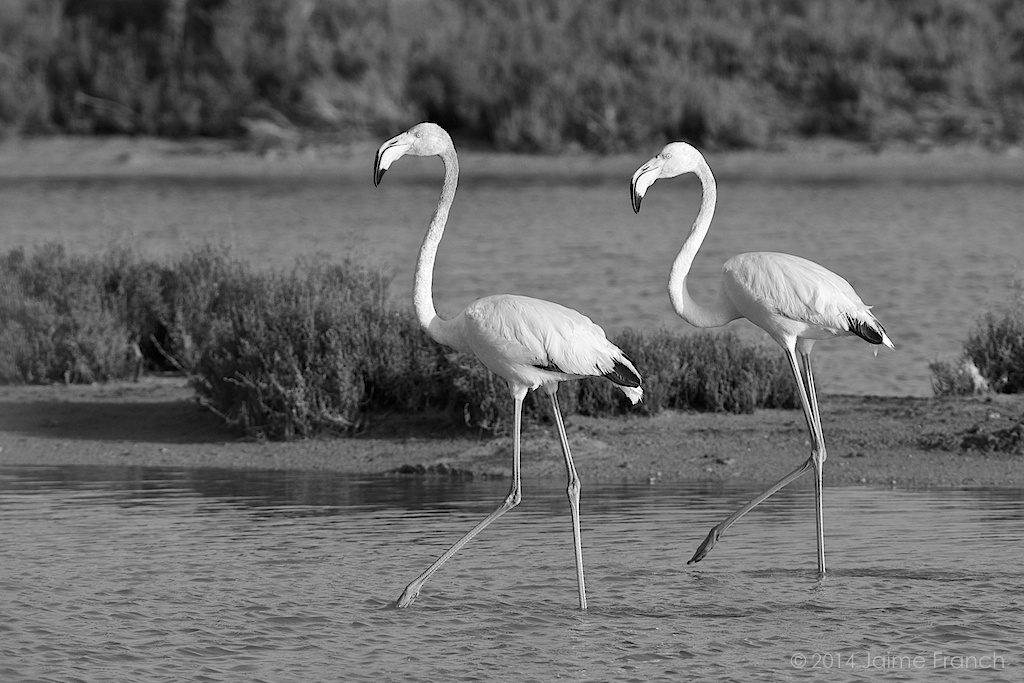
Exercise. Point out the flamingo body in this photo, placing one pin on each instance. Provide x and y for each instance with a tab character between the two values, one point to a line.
530	343
796	301
533	342
791	297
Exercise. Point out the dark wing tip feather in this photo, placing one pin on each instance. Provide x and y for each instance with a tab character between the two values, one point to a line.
871	333
621	374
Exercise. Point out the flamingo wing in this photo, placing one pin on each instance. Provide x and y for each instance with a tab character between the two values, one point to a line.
510	330
800	290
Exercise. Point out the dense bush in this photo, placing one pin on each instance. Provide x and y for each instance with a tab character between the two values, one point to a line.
73	318
521	74
997	347
993	357
62	318
315	349
285	358
961	378
703	371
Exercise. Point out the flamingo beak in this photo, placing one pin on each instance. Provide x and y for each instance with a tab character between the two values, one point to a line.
388	153
642	179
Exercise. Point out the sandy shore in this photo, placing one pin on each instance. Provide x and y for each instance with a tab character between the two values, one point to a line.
901	442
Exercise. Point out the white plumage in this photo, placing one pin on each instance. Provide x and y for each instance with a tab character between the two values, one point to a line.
789	295
534	342
795	301
531	343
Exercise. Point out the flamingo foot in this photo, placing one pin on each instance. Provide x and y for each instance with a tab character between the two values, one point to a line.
705	547
410	593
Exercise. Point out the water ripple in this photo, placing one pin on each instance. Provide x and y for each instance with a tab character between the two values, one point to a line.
106	578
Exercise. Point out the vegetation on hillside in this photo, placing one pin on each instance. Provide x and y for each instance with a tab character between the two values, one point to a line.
531	75
294	353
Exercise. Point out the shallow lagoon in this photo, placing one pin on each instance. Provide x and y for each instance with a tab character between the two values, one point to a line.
166	574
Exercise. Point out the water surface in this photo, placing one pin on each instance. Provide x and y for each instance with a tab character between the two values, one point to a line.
130	574
930	254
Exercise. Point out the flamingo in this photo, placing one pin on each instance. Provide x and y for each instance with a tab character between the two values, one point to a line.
796	301
530	343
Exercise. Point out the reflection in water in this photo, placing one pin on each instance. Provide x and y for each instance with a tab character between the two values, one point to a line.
156	573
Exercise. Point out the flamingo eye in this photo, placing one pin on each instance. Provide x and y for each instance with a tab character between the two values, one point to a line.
667	155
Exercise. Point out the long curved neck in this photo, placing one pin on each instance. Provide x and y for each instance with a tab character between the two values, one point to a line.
688	309
422	296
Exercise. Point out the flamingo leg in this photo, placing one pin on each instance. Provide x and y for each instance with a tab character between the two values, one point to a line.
513	499
810	409
819	451
573	491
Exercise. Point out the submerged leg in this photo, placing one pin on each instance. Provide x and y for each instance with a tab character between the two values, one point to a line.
573	491
818	455
412	591
812	462
719	529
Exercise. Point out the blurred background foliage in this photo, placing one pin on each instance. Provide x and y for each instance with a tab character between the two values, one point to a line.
524	75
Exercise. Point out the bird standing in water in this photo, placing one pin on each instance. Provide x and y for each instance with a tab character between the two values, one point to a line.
530	343
796	301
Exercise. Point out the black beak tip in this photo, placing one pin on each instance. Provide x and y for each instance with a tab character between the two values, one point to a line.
378	173
636	202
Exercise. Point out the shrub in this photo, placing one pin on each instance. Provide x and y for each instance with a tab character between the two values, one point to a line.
174	304
993	355
957	379
286	354
287	357
64	319
709	371
84	319
996	346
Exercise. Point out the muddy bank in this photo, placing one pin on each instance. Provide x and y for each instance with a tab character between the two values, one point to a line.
903	442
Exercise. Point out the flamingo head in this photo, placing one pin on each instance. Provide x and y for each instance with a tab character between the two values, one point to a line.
422	140
676	158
